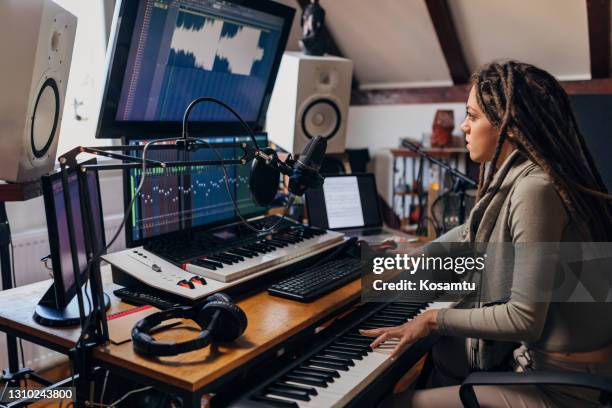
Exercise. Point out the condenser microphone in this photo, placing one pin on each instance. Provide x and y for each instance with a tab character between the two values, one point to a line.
303	173
306	169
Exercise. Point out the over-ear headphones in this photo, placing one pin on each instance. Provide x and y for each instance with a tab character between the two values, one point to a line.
219	318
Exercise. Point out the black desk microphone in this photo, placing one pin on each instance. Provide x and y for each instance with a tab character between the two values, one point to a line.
303	173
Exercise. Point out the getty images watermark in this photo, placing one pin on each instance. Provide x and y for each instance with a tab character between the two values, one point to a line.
492	272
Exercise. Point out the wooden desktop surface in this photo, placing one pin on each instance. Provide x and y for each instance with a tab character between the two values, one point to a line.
271	321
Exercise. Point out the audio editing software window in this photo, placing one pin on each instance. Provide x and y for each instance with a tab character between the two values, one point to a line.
185	49
180	198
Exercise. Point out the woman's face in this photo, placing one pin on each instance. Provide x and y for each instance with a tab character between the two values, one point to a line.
480	135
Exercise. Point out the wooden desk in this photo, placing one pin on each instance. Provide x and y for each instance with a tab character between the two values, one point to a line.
271	321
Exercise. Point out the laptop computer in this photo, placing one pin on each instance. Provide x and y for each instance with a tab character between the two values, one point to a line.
348	203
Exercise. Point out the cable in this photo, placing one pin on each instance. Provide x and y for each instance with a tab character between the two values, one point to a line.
97	256
185	138
227	188
196	101
103	388
245	126
95	404
4	391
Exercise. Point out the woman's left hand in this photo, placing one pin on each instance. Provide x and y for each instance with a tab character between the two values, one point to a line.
407	333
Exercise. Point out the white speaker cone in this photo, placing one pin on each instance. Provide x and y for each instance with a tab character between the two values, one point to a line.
321	118
45	118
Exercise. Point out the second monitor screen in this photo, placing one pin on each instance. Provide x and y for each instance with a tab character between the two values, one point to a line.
180	198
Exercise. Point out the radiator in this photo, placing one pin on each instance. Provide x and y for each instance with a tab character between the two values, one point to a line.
29	248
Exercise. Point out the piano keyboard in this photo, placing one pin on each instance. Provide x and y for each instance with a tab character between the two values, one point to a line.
274	249
336	372
222	266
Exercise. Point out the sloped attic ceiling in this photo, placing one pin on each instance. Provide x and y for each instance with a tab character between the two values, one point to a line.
393	43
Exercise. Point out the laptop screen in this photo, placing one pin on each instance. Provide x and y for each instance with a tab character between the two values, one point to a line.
344	201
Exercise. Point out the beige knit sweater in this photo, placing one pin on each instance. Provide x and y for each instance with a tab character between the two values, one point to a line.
522	207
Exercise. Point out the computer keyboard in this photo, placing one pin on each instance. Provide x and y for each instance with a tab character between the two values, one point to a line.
315	281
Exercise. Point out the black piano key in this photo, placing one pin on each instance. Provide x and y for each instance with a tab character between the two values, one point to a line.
221	259
387	321
343	354
251	251
406	304
309	390
306	380
274	243
309	373
349	349
211	262
204	264
391	314
234	257
370	325
322	362
337	360
285	392
410	310
262	243
363	345
324	371
277	402
356	339
241	252
255	247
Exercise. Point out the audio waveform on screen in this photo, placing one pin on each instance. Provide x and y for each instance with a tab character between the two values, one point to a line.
200	188
215	45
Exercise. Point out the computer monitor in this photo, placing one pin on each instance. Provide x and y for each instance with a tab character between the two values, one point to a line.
54	308
166	53
188	198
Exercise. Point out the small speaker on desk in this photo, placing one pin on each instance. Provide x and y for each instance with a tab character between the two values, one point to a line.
311	98
36	43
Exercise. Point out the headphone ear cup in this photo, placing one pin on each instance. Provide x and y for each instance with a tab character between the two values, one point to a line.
232	321
219	297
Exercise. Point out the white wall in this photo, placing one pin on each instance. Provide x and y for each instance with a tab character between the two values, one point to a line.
381	127
87	73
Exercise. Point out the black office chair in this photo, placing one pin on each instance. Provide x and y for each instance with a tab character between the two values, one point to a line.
582	380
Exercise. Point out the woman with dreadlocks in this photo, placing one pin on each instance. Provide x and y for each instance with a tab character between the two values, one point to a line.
538	184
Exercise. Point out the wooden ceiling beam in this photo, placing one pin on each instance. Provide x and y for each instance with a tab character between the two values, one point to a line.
598	13
443	23
332	45
459	93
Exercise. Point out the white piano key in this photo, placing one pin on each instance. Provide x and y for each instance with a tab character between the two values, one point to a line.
359	376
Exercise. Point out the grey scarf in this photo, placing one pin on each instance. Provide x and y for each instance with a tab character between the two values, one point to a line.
484	214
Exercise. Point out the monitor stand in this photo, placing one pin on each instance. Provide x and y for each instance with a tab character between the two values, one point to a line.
47	314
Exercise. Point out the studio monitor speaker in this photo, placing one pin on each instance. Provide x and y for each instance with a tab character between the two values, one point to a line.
36	43
311	98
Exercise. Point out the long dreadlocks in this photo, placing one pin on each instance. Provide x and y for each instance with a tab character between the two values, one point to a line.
530	110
